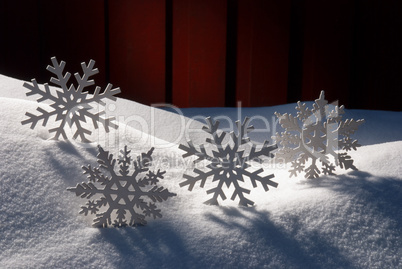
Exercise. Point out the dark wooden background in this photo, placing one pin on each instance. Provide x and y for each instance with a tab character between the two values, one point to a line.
209	53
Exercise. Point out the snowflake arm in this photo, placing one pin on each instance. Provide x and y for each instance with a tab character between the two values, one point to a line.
348	144
202	176
265	181
239	192
328	168
159	194
137	218
106	161
95	175
303	112
288	122
266	150
243	129
88	71
151	210
349	126
34	119
345	161
120	218
153	178
312	171
104	219
212	129
57	69
218	192
124	161
34	89
85	190
93	206
97	118
108	93
297	167
191	150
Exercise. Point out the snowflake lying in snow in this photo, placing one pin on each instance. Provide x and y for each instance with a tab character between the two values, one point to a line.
71	105
122	191
316	134
228	164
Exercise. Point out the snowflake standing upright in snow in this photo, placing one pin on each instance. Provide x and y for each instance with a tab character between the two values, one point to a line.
317	134
228	164
71	105
122	192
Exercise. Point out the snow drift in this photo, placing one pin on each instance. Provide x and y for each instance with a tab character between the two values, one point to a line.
352	220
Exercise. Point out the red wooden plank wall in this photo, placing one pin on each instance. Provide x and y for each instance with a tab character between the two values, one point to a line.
262	52
215	52
199	43
327	55
26	25
377	54
31	33
137	48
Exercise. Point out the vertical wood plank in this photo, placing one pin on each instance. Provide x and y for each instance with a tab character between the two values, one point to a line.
244	52
199	52
19	40
296	40
328	38
137	49
73	31
180	54
262	52
377	69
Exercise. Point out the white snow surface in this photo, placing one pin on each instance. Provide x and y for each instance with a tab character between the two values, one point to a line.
351	220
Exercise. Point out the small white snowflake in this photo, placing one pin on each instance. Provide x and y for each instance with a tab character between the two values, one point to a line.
228	164
316	134
71	105
122	191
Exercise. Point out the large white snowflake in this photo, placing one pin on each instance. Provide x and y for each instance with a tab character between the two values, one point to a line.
318	134
71	105
228	164
121	192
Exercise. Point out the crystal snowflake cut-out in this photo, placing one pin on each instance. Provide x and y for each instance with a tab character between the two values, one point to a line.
228	164
128	197
71	105
314	136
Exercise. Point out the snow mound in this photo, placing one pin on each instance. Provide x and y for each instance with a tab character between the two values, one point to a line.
352	220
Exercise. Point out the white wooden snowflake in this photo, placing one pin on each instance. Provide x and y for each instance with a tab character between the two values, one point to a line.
316	135
122	193
70	105
228	164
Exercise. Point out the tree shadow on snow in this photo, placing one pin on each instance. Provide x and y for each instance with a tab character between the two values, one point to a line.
293	244
382	194
249	237
156	245
71	170
76	148
282	248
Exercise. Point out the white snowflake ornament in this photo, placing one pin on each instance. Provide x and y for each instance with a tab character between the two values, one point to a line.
124	194
228	164
314	136
70	105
